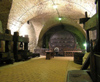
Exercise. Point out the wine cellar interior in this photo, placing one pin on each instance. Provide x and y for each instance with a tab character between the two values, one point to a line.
43	33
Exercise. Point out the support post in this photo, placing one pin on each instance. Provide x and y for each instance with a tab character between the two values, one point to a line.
83	20
26	44
15	45
87	41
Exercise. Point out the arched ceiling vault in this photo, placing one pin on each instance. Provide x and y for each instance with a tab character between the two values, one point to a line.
68	25
24	10
15	13
65	21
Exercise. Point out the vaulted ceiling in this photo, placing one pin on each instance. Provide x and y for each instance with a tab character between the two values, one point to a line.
43	15
24	10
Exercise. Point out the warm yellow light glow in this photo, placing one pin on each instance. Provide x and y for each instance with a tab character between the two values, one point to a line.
23	30
13	29
14	26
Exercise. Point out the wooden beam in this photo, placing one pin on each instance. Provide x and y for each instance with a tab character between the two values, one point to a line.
86	63
83	20
91	23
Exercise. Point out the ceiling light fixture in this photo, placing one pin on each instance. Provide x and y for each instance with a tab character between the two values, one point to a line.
55	6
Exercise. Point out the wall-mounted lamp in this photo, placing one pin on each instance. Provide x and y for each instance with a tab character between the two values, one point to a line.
60	18
21	44
85	45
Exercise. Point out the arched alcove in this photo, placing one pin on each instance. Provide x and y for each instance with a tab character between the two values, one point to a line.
79	36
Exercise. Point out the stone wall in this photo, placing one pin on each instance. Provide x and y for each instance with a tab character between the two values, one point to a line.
93	35
28	29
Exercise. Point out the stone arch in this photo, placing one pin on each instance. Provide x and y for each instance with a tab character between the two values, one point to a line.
69	25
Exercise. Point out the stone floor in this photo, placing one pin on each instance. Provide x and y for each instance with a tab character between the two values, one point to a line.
38	70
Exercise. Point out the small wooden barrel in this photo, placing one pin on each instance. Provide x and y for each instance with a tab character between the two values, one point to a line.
48	55
78	58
